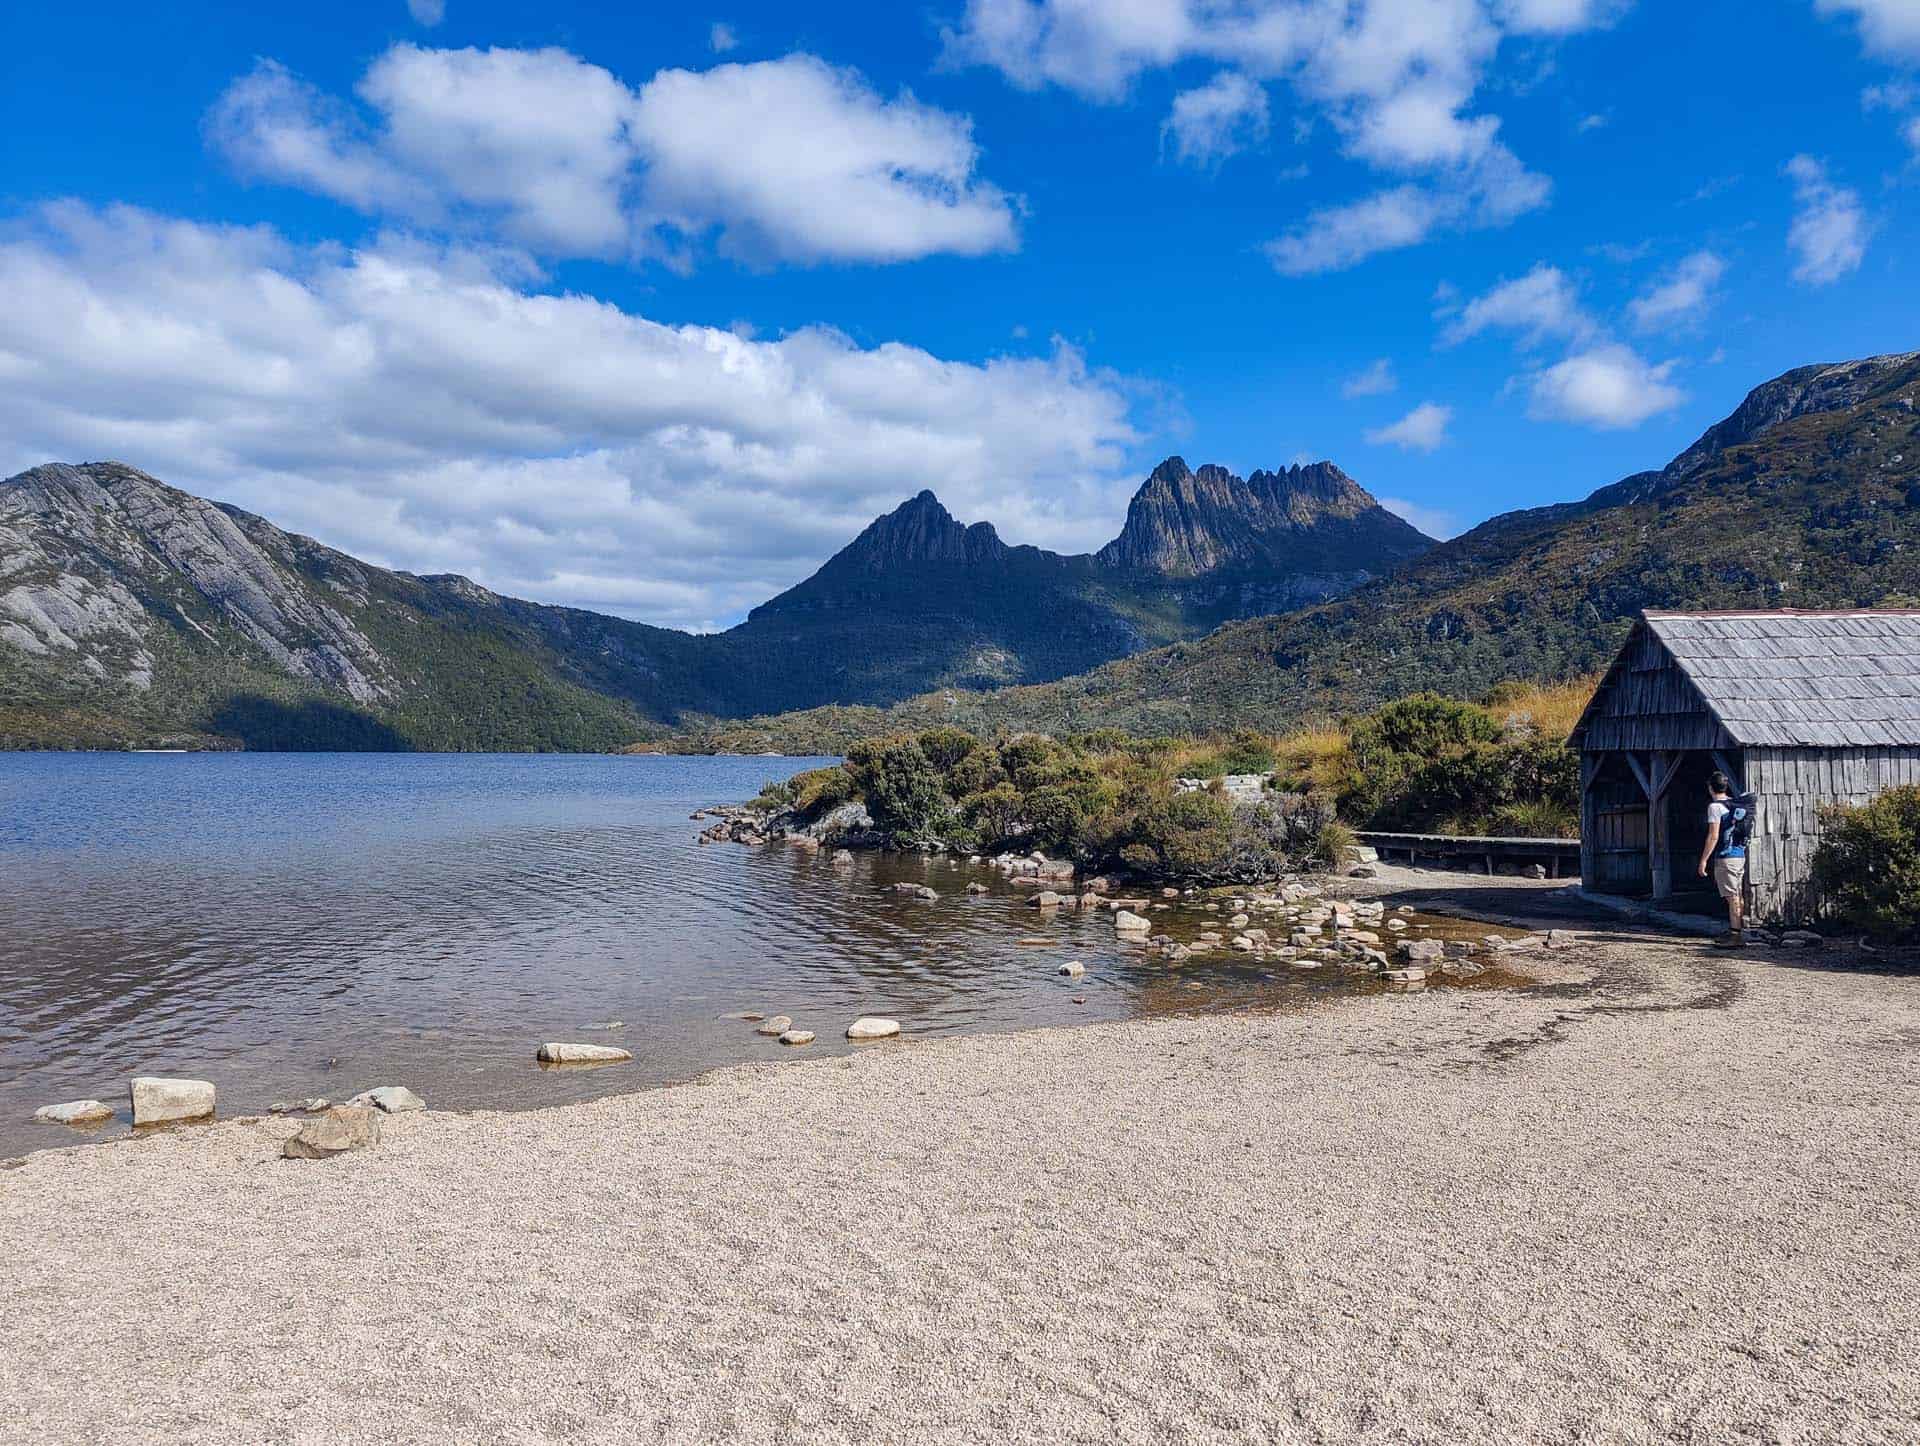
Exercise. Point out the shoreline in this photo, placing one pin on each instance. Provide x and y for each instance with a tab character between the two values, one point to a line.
1452	898
1670	1202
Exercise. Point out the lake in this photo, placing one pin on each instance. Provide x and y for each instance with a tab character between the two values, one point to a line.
290	925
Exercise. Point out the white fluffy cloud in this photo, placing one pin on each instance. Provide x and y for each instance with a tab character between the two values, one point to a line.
1609	386
1376	379
1424	429
1213	121
1683	294
415	406
1542	305
1888	27
1395	77
1830	228
1601	382
787	159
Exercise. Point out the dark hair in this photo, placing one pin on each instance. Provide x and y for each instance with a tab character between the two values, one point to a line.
1719	783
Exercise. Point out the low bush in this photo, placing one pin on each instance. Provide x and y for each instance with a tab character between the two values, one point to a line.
1867	867
1103	799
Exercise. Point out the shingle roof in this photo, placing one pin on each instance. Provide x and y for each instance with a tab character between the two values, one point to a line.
1803	679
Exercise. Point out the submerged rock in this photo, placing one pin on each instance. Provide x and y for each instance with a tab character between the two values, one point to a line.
74	1112
1420	951
157	1099
555	1052
389	1099
872	1027
340	1129
779	1024
298	1107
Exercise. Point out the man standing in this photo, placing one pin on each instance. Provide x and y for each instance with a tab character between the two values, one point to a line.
1729	822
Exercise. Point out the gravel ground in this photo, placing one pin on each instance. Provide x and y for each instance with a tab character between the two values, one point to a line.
1671	1197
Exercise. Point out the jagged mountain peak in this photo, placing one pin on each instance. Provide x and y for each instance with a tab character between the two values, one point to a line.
1184	523
918	531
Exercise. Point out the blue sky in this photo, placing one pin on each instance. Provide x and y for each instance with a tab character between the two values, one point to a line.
649	313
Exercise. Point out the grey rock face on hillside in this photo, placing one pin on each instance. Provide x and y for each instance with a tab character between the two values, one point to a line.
94	557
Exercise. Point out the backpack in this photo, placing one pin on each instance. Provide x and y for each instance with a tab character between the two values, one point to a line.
1737	827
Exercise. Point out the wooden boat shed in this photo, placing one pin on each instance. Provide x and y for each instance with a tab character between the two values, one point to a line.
1801	709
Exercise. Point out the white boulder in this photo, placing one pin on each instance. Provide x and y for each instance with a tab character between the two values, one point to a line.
797	1036
157	1099
389	1099
1128	922
871	1027
74	1112
555	1052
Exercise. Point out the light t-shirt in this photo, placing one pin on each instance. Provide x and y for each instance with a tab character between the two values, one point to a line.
1718	812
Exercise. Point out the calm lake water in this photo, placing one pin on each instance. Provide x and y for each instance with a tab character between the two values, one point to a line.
290	925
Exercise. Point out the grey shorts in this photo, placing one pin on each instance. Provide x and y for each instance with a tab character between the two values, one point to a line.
1730	877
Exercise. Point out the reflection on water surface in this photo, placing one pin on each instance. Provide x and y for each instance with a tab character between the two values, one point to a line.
293	925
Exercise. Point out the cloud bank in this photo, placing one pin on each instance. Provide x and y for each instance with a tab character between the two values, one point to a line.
420	407
789	160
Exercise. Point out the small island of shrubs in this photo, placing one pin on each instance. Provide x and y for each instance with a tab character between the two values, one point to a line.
1246	807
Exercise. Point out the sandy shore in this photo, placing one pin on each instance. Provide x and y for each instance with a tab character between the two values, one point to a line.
1676	1202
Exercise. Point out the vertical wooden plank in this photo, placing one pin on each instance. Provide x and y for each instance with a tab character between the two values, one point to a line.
1659	840
1589	769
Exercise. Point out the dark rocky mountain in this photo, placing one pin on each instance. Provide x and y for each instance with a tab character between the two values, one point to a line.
1183	524
1808	495
132	612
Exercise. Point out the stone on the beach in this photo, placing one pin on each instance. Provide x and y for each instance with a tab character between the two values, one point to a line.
390	1099
1462	969
1073	969
1405	976
1418	951
157	1099
74	1112
556	1052
779	1024
797	1036
298	1107
870	1027
1128	922
340	1129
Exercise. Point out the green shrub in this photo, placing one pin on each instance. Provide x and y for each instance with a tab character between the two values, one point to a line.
1867	867
974	772
820	789
1030	759
1331	844
946	747
1190	834
901	788
995	813
775	795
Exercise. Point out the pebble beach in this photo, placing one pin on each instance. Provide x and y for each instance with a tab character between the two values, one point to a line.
1659	1195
